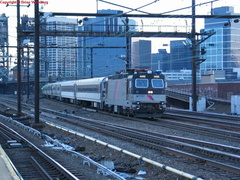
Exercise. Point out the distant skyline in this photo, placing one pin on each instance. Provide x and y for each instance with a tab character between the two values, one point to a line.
91	6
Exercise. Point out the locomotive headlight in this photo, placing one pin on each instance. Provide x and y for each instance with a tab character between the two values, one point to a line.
150	92
149	71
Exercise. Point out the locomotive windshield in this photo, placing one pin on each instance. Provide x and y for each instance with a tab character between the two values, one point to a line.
141	83
144	83
157	83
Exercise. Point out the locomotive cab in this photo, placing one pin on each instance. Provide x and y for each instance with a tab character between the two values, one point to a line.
147	94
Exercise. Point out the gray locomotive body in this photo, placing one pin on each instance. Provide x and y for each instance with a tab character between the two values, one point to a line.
140	93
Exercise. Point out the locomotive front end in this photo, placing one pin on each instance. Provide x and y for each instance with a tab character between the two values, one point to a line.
148	94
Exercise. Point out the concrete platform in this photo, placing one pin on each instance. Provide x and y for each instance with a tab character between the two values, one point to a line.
6	170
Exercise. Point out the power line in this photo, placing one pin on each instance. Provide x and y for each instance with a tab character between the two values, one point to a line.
132	9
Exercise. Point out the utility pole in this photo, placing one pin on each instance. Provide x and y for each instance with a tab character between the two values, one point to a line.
195	55
19	74
91	56
28	73
128	45
36	64
64	68
194	58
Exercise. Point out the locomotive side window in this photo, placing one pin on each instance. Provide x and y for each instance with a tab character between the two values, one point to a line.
157	83
141	83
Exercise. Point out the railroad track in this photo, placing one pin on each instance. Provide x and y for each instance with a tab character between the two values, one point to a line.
214	120
217	155
212	125
171	171
199	129
224	157
30	161
204	120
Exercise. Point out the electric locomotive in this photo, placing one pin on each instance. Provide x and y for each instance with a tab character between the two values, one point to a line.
140	93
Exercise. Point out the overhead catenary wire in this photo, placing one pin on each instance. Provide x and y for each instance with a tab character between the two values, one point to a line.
175	9
161	13
132	9
125	13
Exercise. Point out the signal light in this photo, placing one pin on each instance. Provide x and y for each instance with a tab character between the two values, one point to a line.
236	21
203	50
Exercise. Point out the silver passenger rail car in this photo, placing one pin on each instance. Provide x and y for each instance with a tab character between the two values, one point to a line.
89	92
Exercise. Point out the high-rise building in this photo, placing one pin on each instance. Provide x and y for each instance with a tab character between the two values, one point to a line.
3	29
160	60
222	49
141	54
102	56
58	54
4	50
180	56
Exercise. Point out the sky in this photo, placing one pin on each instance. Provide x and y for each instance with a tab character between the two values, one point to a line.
91	6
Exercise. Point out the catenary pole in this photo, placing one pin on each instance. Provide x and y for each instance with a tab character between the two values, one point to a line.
194	53
36	65
19	74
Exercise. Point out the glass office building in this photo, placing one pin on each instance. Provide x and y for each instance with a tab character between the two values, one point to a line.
102	56
223	48
180	56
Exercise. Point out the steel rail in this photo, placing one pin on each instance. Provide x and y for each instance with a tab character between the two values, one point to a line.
216	146
204	120
215	132
204	159
205	114
212	132
108	171
59	167
156	139
40	169
147	160
133	135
